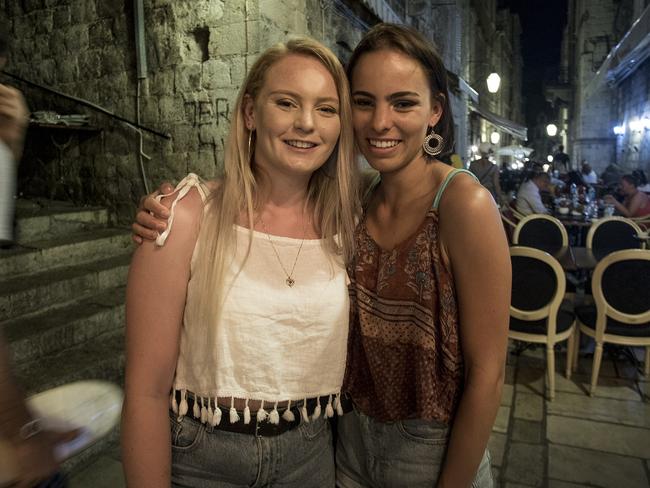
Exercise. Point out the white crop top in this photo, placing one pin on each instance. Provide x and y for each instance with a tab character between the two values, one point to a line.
272	343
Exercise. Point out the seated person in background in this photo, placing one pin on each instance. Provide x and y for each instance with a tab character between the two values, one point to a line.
589	176
529	197
642	181
611	176
635	202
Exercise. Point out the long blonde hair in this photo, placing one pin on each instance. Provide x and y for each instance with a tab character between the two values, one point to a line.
332	189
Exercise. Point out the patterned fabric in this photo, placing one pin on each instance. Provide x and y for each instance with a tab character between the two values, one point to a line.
404	353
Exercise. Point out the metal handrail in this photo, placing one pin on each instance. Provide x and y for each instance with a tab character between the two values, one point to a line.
91	105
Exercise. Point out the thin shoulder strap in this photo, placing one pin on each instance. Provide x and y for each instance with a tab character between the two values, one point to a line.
182	189
450	176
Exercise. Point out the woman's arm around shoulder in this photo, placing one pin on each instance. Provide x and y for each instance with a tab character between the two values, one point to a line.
155	300
474	239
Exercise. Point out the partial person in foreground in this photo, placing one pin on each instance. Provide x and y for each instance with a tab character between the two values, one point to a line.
13	122
240	308
30	445
429	305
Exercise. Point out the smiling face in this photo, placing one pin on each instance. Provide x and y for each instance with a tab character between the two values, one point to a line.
392	107
295	116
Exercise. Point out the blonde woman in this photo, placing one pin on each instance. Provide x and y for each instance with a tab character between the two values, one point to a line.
248	320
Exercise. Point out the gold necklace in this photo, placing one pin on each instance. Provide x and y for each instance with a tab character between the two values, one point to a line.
289	281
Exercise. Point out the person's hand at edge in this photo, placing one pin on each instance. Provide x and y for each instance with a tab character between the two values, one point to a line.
151	217
35	459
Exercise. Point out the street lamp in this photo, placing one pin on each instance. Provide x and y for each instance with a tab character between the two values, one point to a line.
551	130
493	82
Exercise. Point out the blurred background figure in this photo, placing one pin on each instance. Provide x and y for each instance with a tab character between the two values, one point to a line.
635	203
611	176
487	172
13	122
529	196
589	176
641	180
561	160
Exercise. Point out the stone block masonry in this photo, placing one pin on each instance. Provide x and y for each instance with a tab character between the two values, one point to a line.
198	52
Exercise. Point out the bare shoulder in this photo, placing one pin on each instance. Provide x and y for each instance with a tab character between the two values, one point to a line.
466	196
469	215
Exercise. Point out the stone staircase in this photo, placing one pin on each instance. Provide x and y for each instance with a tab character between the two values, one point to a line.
62	301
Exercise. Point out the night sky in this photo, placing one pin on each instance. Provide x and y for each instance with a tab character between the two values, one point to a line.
542	23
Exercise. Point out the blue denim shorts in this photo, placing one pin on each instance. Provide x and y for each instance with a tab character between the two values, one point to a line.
406	453
204	457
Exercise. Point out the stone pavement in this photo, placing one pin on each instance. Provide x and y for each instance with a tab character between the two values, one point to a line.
574	441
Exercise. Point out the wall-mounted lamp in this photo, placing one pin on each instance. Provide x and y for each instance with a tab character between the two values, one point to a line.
495	137
619	130
551	130
493	82
636	125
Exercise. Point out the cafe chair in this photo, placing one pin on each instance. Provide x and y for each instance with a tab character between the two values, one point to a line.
621	314
642	222
538	284
509	221
542	232
611	234
512	208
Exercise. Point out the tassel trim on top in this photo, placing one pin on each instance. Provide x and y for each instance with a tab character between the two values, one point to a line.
207	411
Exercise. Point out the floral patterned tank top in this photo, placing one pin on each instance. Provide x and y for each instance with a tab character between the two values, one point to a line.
404	354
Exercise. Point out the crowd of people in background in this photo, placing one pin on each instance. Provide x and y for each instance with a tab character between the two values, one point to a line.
533	189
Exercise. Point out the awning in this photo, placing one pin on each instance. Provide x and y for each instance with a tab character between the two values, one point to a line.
458	85
625	58
512	128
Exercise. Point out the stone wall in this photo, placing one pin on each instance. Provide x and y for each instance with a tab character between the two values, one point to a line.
599	28
633	148
198	52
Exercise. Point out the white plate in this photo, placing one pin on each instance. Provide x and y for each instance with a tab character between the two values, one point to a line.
94	406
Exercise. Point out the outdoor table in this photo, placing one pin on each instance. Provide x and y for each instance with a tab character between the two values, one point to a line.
575	225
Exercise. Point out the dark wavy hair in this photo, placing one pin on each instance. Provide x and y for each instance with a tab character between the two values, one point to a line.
631	179
410	42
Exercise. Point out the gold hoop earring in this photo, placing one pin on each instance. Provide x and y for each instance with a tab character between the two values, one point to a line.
250	144
433	150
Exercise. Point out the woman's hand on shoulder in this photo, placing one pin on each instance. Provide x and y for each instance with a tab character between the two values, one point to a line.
151	216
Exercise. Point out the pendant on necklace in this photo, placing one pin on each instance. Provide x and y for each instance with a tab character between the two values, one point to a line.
290	282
